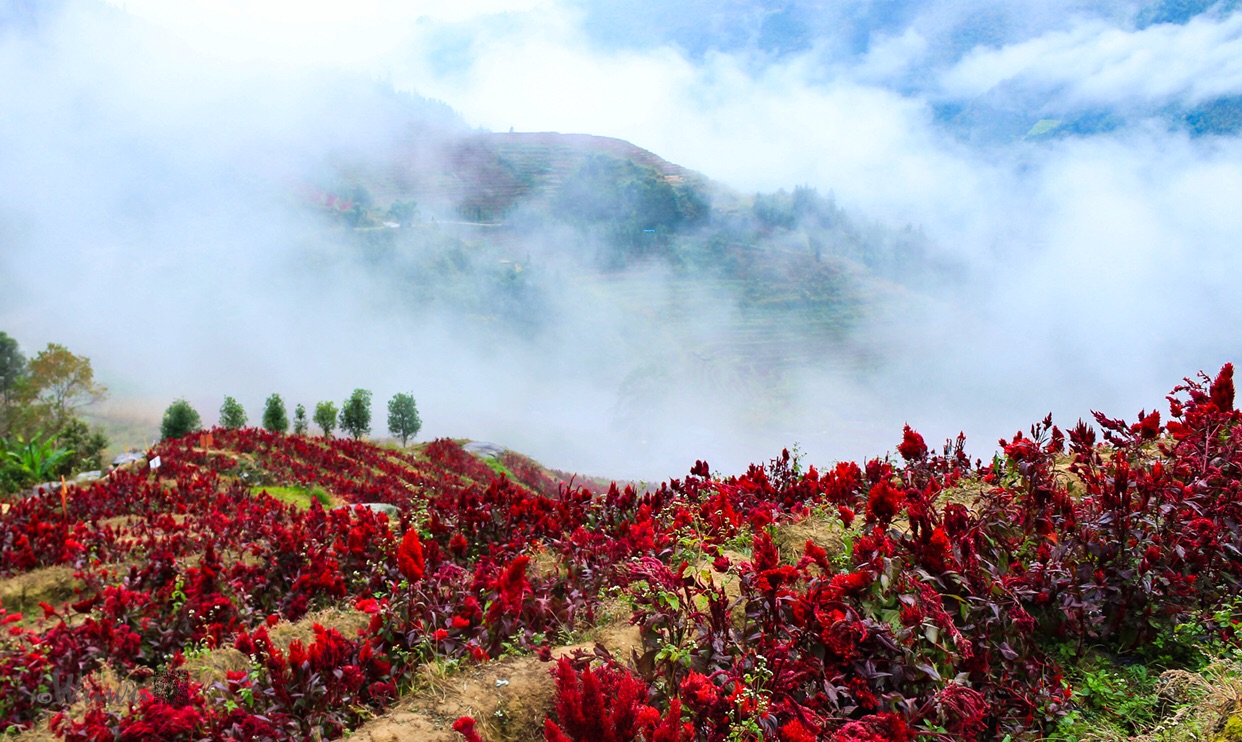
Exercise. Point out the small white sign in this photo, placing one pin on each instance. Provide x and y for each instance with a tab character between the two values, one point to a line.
155	462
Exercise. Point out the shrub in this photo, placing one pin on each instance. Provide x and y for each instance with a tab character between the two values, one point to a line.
179	419
232	414
275	418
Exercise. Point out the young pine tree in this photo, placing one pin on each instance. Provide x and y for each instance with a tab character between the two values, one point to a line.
232	414
180	419
300	422
356	414
275	418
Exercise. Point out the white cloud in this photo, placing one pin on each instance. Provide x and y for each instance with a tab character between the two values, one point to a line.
1097	269
1096	63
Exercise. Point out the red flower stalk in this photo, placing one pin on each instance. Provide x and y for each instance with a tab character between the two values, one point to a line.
1148	426
410	556
912	447
1222	389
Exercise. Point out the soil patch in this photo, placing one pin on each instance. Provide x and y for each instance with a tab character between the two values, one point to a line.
344	619
826	532
52	585
508	698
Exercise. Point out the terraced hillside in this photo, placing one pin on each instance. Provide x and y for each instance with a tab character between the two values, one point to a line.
485	176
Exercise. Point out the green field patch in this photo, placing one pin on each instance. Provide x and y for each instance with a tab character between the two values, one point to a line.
299	496
498	467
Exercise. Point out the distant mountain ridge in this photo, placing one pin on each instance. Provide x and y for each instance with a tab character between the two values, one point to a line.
484	176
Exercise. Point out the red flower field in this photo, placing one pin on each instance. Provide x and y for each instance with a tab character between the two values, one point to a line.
941	608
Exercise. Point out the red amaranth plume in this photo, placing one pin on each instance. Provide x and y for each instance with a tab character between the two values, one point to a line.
410	556
1222	389
912	447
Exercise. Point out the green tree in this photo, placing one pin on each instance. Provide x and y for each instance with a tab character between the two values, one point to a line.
403	420
299	420
325	417
12	372
356	414
275	418
232	414
63	383
180	419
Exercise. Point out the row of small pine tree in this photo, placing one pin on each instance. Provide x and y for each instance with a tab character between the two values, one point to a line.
354	417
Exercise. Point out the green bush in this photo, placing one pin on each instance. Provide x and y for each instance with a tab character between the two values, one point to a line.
180	419
275	418
232	414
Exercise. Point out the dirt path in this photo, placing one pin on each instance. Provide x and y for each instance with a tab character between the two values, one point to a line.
509	698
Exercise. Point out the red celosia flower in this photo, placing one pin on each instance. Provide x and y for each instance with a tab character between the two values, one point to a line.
912	447
410	556
699	693
770	580
458	544
796	731
956	519
847	515
872	546
367	605
765	552
513	584
939	550
1222	389
884	502
465	727
849	583
1148	426
553	733
814	553
877	470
